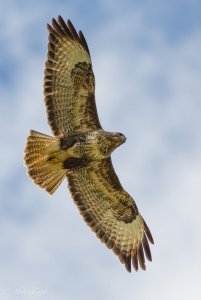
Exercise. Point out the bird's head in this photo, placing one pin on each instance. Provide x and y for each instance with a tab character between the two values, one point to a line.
118	138
108	141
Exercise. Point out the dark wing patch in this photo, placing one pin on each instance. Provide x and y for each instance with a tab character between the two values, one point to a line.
68	141
73	162
98	194
69	84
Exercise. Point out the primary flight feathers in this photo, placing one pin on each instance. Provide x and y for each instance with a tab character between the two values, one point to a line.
69	84
81	149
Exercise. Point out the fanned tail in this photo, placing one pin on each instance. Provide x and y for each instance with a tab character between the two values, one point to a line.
42	168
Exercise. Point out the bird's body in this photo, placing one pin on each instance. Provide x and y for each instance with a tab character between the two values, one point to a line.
84	148
94	145
81	150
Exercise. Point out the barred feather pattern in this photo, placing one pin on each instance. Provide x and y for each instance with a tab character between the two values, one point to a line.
69	83
69	89
43	173
95	193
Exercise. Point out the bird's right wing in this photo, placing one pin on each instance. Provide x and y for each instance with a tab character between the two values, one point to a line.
110	212
69	84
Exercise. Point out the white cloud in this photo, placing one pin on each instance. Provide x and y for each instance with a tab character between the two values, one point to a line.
148	88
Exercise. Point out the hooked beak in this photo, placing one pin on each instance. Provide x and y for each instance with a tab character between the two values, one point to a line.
121	137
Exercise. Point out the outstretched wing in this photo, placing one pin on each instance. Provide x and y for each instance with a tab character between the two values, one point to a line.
69	83
110	212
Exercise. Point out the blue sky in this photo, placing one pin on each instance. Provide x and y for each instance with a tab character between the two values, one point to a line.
147	63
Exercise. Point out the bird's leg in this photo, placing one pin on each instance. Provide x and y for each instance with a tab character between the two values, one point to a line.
65	153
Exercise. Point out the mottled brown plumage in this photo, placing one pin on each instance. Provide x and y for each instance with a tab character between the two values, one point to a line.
69	83
81	149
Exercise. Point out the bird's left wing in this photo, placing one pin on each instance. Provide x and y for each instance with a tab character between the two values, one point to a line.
110	212
69	84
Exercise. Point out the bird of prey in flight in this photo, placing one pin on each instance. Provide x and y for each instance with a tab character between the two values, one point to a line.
81	149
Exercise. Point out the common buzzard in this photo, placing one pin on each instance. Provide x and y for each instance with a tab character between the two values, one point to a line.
81	150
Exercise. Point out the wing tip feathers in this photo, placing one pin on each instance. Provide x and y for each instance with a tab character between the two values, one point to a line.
137	256
62	29
148	233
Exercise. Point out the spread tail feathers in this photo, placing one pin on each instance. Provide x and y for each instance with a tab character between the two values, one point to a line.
42	167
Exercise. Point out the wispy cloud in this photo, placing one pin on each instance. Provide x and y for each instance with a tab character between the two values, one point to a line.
147	65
